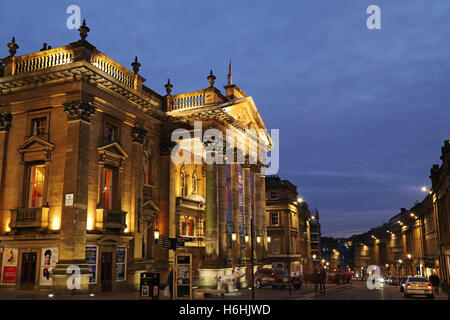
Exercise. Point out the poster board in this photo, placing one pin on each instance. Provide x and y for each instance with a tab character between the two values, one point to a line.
92	259
9	266
121	258
49	258
183	277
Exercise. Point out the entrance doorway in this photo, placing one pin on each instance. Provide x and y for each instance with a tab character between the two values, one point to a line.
106	272
28	270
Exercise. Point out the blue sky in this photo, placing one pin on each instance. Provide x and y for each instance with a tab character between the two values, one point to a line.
362	113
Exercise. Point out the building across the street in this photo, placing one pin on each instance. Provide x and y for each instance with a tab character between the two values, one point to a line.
287	221
87	178
414	241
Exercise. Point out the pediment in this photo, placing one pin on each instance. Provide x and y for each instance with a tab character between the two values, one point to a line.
112	152
150	205
34	143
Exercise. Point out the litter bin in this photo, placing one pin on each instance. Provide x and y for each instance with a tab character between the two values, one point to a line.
149	285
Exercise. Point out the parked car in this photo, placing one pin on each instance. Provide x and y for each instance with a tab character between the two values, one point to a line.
418	286
277	278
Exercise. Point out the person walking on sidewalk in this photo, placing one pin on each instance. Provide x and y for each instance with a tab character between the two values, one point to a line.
315	278
322	279
435	281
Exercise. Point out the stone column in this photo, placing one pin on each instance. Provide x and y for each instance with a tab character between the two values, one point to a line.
138	136
211	239
72	245
247	208
222	210
5	124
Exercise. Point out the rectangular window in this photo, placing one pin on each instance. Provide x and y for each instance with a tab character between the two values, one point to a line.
39	126
110	133
273	196
108	188
276	245
36	186
274	219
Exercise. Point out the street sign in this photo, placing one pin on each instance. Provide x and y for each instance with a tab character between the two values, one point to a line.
173	243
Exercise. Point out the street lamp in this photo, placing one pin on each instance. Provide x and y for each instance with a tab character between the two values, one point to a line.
424	189
409	256
314	256
300	200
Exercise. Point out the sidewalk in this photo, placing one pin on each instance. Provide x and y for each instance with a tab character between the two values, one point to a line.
242	294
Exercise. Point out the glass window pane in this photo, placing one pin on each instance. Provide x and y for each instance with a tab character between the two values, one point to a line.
37	177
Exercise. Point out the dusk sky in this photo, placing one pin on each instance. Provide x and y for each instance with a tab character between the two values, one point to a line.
362	113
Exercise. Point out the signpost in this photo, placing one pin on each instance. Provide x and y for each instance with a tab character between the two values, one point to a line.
182	271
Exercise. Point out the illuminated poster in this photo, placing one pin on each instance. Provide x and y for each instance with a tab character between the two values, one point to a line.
49	258
252	192
228	196
91	259
9	272
241	202
120	263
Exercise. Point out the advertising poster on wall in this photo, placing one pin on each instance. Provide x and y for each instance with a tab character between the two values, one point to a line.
9	269
120	263
49	258
91	259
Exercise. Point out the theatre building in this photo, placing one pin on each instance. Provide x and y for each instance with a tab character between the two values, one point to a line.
87	180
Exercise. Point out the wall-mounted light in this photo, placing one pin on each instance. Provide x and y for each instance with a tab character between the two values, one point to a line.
258	239
409	256
156	234
247	238
269	239
234	236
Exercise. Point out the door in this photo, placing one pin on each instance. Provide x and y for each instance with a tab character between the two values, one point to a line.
106	273
28	270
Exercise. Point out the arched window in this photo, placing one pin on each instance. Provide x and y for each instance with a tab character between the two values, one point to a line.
182	181
194	182
190	227
183	225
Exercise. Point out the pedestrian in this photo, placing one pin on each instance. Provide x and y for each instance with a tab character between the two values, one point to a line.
170	282
435	281
315	278
322	279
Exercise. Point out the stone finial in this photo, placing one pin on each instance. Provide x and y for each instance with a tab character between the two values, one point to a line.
79	110
5	121
211	79
44	47
83	30
12	47
169	87
136	65
138	134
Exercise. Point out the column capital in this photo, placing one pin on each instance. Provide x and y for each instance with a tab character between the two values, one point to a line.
138	134
5	121
79	110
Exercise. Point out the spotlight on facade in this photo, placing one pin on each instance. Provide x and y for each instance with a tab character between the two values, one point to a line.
424	189
156	234
269	239
234	236
300	200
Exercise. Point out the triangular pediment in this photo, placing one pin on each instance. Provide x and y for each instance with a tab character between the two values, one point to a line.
113	149
150	205
34	143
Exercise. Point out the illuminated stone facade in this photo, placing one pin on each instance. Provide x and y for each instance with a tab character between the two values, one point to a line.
86	176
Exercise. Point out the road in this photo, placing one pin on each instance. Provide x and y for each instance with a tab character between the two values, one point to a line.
359	291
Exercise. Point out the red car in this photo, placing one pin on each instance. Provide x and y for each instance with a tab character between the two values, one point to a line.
277	278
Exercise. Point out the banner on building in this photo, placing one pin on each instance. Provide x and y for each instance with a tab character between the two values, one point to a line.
9	265
49	258
91	259
121	255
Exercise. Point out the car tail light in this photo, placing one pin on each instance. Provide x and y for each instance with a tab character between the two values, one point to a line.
429	286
